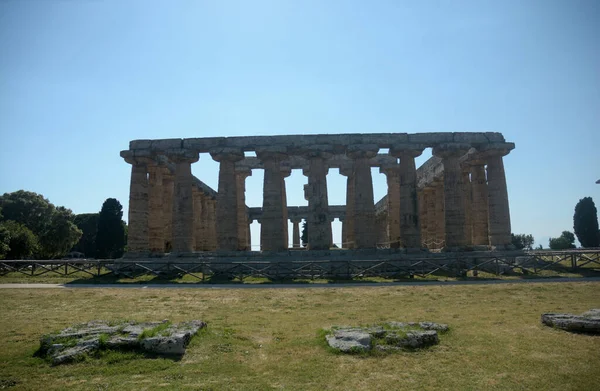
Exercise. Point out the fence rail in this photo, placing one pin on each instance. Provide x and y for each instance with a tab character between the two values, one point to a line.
322	265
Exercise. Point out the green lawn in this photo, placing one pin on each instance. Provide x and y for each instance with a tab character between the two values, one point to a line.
263	339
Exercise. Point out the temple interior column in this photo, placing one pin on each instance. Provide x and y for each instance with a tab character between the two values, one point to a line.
211	209
156	239
286	235
422	216
183	205
137	235
167	208
479	209
296	232
272	221
498	209
242	214
392	174
198	231
468	200
454	204
409	203
365	233
440	215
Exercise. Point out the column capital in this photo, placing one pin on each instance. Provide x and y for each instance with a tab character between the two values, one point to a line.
139	157
271	153
362	151
295	219
227	154
243	172
496	149
406	150
389	169
317	151
346	170
450	150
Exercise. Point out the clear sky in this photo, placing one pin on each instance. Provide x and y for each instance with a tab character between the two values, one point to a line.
79	79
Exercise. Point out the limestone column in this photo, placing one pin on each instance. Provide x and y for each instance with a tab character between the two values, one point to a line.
318	222
243	226
467	199
365	233
440	214
183	205
348	227
422	216
409	204
137	235
272	222
211	207
198	231
430	205
227	213
479	210
498	209
392	174
167	208
454	203
344	235
296	232
202	237
156	227
286	236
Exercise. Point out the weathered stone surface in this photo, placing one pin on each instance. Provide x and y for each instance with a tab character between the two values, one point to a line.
389	336
588	322
75	342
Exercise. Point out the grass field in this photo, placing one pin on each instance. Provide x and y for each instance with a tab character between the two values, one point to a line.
263	339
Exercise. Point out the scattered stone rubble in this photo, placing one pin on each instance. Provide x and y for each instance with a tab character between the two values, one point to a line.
588	322
159	338
390	336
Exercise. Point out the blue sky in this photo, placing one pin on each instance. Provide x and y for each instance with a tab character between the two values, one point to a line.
79	79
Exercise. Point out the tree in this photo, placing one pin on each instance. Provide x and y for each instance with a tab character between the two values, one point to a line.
563	242
4	241
27	208
585	223
521	241
21	243
61	235
88	224
110	236
304	236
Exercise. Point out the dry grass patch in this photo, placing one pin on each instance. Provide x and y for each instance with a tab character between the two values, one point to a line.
260	339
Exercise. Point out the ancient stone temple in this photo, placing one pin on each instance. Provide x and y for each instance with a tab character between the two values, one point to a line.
456	200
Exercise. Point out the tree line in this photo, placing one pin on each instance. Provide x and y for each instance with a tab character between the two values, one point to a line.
31	227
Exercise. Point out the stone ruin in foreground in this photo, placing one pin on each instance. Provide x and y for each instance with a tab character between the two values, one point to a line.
456	200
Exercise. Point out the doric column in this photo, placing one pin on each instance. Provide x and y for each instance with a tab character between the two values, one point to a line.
365	234
211	224
272	222
479	209
296	232
392	174
198	231
440	214
454	204
156	227
467	199
285	172
409	204
422	216
498	209
183	205
227	207
348	226
137	234
429	193
167	208
318	223
242	215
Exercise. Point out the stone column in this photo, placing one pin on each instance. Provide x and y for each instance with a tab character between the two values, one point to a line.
167	209
198	231
318	223
422	216
440	214
467	199
137	235
365	233
409	204
479	210
286	235
183	205
243	226
211	209
348	227
430	206
156	227
272	230
202	237
498	209
454	204
392	174
296	233
227	225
